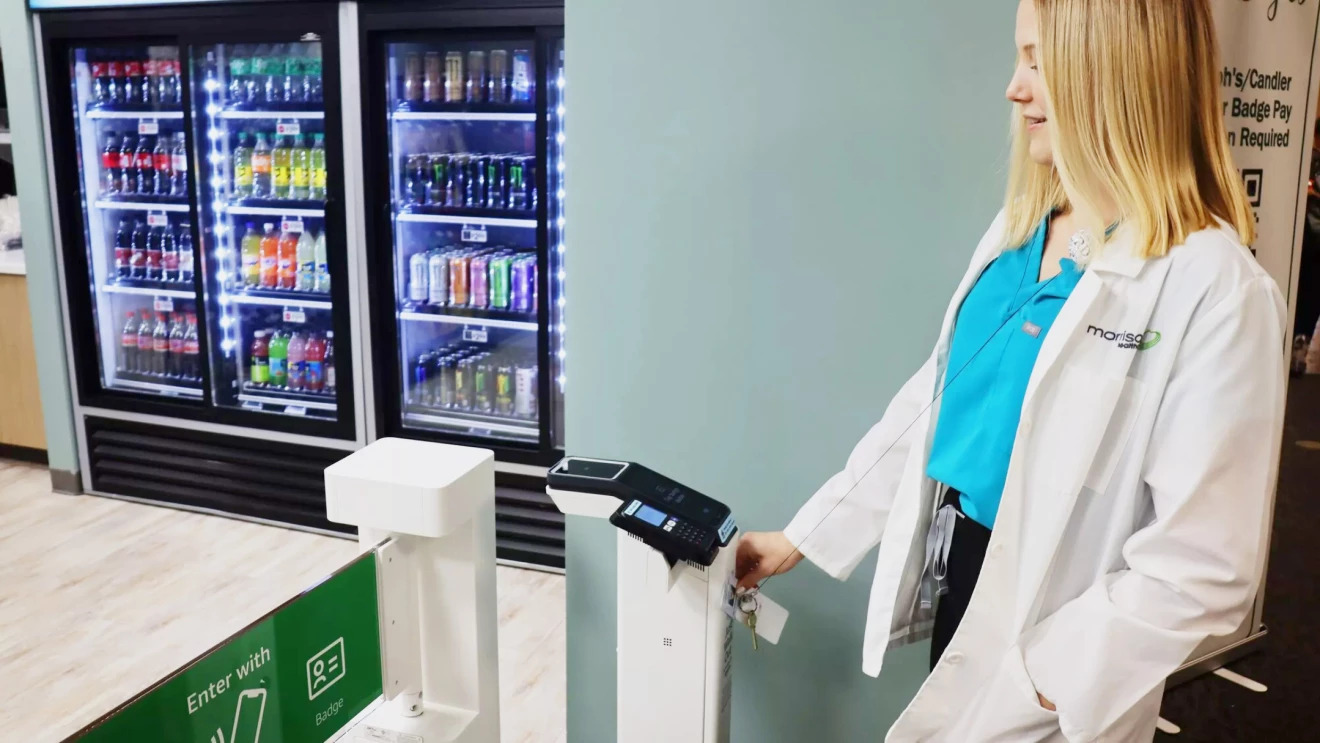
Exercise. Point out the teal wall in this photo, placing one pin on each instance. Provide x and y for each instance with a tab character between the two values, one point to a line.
25	119
770	204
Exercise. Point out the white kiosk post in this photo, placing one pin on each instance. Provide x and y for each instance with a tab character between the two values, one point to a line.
676	551
439	649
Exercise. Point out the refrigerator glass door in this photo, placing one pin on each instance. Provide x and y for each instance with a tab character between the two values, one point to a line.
132	148
463	146
262	190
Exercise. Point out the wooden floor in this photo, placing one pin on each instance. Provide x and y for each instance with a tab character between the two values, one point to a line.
99	598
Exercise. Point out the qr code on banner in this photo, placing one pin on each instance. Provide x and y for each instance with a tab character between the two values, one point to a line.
1254	178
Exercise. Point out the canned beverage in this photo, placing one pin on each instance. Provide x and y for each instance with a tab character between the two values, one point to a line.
477	181
523	284
433	382
456	189
517	183
499	282
438	278
524	391
420	177
463	384
495	184
476	76
420	392
412	78
529	183
417	277
504	390
483	384
454	79
445	399
523	77
439	193
458	279
499	76
433	82
478	286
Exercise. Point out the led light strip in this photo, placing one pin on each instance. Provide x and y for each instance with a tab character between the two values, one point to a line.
558	263
217	159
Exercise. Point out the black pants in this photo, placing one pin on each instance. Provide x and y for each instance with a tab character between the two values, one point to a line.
966	553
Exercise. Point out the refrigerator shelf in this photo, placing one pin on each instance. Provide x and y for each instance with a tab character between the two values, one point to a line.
164	389
461	116
105	113
142	206
277	211
277	396
435	110
238	113
470	317
277	298
466	420
149	291
473	220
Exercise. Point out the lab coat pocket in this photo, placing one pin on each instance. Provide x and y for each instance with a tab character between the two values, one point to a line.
1121	422
1006	709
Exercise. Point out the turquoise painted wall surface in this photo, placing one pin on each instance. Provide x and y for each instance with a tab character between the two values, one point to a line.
770	204
25	120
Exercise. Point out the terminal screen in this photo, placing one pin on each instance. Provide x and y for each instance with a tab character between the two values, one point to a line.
592	468
651	516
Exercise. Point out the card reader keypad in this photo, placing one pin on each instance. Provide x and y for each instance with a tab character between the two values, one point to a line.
686	532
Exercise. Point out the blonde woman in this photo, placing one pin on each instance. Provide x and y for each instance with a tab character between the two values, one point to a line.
1072	492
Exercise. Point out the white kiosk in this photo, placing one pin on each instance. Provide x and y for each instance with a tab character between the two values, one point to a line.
676	552
435	504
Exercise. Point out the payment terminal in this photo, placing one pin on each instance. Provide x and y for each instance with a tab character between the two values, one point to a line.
673	518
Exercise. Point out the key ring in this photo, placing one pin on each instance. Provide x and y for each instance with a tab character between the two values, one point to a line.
745	599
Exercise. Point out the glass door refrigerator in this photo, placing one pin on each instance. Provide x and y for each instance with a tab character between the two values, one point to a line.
198	170
464	141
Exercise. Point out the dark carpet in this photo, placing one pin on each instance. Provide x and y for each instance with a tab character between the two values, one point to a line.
1212	709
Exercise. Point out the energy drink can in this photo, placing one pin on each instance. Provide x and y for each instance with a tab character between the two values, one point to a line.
499	76
483	385
457	188
472	175
476	76
524	391
458	279
419	394
480	167
495	184
523	284
504	390
439	185
454	79
463	384
417	278
437	278
499	270
520	85
478	284
516	177
446	365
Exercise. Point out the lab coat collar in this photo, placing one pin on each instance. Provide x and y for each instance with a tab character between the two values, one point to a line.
1118	255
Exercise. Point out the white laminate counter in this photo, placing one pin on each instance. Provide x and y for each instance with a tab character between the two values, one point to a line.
11	262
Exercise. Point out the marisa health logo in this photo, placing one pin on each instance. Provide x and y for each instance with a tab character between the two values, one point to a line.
1140	341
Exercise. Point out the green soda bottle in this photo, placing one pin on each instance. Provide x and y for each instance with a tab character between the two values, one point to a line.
243	167
316	167
300	173
279	359
281	159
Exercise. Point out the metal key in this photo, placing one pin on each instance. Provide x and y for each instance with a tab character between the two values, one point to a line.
748	605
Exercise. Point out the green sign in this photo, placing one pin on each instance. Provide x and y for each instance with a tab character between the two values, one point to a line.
296	676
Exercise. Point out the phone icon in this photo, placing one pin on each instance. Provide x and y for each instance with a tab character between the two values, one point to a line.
248	716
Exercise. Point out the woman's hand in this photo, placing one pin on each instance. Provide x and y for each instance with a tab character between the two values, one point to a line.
762	554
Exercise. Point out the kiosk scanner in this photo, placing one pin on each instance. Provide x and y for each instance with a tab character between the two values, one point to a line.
676	554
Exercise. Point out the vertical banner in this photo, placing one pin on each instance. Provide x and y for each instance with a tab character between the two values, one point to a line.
1267	50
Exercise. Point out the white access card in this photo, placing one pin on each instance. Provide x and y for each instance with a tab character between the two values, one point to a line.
770	617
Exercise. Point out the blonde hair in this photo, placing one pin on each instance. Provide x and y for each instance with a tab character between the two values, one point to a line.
1135	122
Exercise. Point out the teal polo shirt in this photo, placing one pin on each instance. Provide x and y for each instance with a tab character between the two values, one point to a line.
996	338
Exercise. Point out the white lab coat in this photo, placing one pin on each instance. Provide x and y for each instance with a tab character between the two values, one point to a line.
1133	520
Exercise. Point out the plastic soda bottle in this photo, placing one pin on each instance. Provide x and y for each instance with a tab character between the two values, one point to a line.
261	186
322	282
251	250
177	330
128	345
288	260
260	353
297	362
291	85
270	256
192	356
316	168
144	344
315	363
306	262
330	361
243	167
278	352
300	170
281	159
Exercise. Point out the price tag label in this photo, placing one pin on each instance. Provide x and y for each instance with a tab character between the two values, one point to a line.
167	392
148	126
164	304
474	234
251	405
295	316
158	220
295	410
475	335
288	127
291	225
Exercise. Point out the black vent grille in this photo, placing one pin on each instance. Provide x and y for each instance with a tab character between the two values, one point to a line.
528	527
247	477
